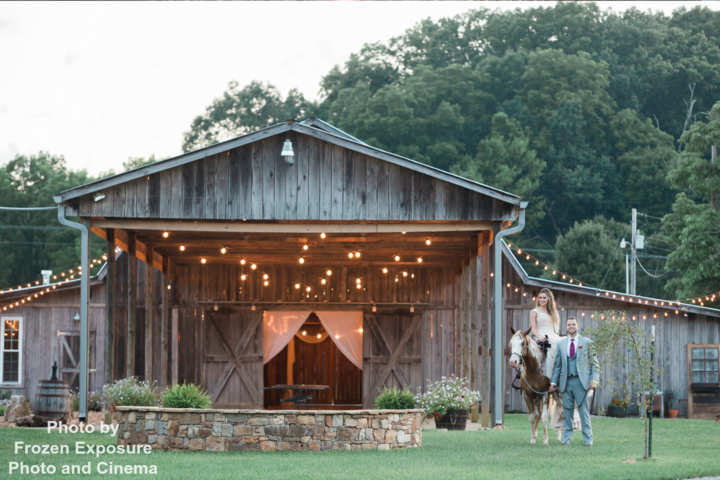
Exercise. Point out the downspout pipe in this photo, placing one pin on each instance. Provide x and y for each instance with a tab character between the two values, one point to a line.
84	290
497	327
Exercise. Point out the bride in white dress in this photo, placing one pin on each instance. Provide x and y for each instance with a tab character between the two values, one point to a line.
545	323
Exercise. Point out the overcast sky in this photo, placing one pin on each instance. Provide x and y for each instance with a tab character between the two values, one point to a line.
100	82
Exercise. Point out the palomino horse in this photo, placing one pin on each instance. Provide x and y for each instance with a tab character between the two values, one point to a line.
526	356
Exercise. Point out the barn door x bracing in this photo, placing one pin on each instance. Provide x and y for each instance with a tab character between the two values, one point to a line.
69	353
392	351
233	358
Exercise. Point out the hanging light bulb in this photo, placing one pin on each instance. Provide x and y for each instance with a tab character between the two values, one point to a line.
397	258
305	247
419	259
412	275
428	242
412	308
203	261
374	308
329	272
404	274
169	287
385	270
252	308
297	286
357	280
302	260
166	234
223	250
267	283
182	248
242	262
304	332
323	281
265	276
322	235
397	279
243	277
253	266
308	289
359	286
319	335
357	254
350	255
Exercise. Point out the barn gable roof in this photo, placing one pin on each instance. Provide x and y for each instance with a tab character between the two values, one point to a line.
591	291
312	127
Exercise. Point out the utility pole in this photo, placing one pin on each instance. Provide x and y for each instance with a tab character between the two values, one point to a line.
634	252
627	274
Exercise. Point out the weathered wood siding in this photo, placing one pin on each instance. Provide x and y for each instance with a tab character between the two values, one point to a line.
325	182
41	345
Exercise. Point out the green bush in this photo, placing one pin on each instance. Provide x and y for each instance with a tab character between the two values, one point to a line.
394	399
186	395
129	392
6	395
2	410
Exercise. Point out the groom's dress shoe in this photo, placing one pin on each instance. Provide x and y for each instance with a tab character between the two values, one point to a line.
588	445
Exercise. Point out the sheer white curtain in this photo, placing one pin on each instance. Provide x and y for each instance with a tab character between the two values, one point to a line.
346	330
278	329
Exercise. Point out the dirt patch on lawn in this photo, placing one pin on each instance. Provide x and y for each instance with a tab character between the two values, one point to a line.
94	418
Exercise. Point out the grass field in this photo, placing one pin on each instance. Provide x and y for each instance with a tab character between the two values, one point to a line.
681	449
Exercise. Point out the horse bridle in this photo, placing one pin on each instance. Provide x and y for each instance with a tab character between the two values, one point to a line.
521	363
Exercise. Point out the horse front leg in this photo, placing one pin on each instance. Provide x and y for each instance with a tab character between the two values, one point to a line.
531	417
537	415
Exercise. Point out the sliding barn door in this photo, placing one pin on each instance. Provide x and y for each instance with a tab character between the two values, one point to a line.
233	358
392	349
69	365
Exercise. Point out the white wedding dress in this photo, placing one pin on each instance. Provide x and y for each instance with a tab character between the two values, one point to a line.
544	326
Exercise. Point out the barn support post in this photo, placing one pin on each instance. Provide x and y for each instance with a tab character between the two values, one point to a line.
486	329
474	360
466	314
164	310
110	306
84	228
131	303
175	347
149	295
497	347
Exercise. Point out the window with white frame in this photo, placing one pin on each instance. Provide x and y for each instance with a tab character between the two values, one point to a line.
11	350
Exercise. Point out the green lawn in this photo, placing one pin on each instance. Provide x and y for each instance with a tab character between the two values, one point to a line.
681	449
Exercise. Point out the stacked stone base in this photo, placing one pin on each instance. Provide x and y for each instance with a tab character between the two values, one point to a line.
269	430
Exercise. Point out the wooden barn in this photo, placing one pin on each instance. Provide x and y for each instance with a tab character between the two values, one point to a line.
340	265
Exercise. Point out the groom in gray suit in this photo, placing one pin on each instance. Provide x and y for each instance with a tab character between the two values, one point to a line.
577	371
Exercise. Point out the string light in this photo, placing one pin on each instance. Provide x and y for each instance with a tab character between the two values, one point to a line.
329	272
404	274
166	234
267	283
265	276
350	255
419	259
203	261
323	281
242	261
253	266
308	289
397	258
322	235
297	286
302	260
428	242
243	277
357	254
385	270
182	248
223	250
305	247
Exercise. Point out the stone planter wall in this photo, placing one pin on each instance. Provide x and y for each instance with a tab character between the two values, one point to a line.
268	430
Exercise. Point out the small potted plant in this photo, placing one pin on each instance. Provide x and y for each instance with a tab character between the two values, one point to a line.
617	408
670	404
448	401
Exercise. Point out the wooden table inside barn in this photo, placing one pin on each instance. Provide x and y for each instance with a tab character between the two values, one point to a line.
301	388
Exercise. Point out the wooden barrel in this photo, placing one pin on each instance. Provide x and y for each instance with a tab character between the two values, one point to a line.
453	420
52	399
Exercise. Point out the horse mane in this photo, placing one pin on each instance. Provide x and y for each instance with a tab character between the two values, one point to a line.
533	349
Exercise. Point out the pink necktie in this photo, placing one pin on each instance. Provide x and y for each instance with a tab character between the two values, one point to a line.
572	348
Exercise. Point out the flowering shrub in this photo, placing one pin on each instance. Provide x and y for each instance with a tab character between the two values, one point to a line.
447	394
185	396
129	392
94	402
618	402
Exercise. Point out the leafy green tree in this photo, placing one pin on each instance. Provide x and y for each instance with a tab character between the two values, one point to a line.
35	240
506	161
694	226
243	110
